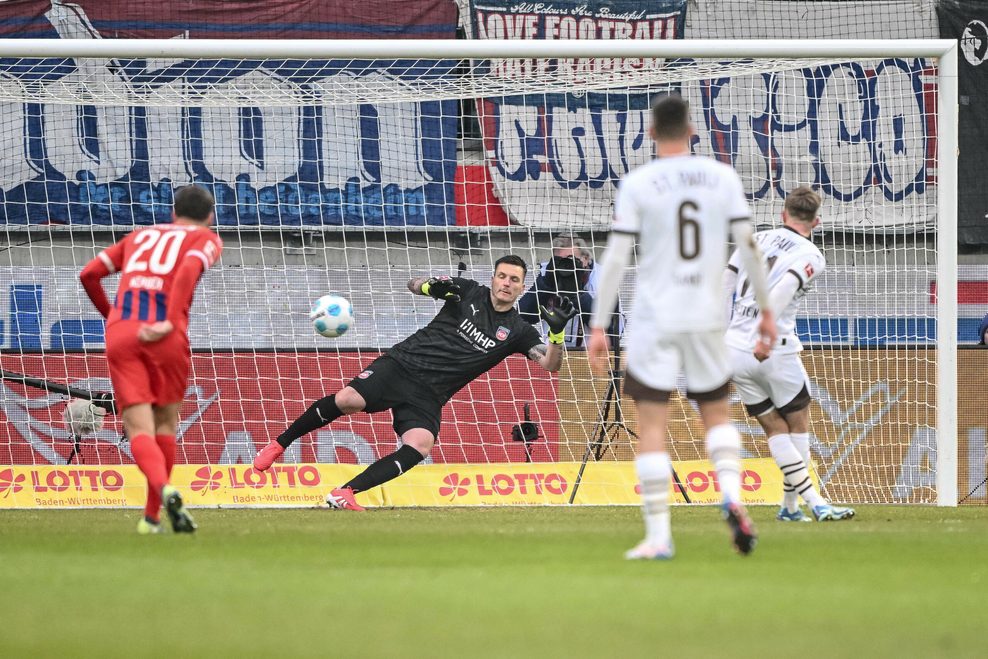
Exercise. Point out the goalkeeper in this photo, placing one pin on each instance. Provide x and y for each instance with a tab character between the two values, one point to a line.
477	328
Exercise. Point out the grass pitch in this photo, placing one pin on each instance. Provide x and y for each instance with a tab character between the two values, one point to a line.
509	582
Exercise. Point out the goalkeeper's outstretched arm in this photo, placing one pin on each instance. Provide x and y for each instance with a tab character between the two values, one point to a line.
441	288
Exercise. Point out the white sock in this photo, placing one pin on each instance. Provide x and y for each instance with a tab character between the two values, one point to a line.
786	457
794	470
655	475
801	440
724	450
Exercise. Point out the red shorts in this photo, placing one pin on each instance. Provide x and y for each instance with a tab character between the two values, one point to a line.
155	373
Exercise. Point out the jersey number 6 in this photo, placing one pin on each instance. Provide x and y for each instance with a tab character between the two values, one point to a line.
688	224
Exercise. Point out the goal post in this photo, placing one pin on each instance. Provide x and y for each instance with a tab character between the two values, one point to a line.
348	167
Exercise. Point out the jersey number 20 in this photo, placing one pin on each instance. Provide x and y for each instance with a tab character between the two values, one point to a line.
163	248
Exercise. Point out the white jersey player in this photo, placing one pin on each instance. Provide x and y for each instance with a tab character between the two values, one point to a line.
774	389
683	209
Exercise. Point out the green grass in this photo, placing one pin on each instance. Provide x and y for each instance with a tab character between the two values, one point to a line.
512	582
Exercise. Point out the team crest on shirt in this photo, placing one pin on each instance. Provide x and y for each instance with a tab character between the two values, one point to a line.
502	333
365	375
808	269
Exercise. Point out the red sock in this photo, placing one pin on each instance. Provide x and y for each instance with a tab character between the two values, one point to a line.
152	509
150	460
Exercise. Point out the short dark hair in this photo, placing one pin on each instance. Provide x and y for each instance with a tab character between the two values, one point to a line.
803	203
511	259
193	203
670	117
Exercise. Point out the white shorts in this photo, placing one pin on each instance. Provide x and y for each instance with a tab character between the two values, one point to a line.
656	360
778	379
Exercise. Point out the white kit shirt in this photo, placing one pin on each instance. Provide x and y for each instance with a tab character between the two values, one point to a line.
786	253
681	208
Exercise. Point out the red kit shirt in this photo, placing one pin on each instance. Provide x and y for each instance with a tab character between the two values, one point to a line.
149	260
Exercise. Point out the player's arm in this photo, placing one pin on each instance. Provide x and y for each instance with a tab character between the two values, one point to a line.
620	246
744	236
729	283
441	288
549	357
105	263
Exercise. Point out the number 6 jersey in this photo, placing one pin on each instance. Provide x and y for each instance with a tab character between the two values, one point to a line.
681	208
149	260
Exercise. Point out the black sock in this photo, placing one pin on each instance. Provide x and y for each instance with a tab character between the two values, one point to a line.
320	413
388	467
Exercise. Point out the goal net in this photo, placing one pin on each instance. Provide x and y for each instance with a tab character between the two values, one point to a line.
349	169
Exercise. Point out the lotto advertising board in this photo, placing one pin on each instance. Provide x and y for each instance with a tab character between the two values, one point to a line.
305	485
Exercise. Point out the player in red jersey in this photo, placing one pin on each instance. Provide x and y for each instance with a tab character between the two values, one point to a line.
147	344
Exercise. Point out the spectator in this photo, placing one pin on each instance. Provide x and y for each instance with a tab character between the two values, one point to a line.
570	273
982	330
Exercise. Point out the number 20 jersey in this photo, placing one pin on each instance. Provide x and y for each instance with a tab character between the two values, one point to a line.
148	260
681	208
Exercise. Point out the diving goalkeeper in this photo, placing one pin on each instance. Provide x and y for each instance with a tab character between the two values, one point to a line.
477	328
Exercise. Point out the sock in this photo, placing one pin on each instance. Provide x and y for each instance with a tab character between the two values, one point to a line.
724	450
793	470
152	508
655	475
783	452
388	467
150	461
801	440
319	414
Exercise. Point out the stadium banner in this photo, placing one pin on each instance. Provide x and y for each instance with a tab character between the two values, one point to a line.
237	402
544	150
306	485
967	21
872	154
295	164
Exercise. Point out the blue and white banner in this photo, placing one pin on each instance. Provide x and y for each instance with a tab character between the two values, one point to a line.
555	158
865	133
275	163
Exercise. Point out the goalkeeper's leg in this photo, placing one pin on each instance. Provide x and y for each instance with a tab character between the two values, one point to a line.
321	413
387	468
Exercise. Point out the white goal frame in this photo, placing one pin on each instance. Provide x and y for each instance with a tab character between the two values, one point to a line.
943	50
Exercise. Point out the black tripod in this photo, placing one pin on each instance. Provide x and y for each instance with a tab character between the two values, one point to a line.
606	429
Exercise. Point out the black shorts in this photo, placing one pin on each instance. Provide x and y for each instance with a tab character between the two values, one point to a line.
386	385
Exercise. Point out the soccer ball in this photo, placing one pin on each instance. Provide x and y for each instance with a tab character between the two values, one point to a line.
331	315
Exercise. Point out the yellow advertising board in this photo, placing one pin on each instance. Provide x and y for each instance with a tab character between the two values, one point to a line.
305	485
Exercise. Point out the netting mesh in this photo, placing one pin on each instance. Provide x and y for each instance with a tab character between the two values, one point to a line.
352	177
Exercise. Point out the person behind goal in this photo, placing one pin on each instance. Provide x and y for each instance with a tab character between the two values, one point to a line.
476	329
682	208
147	344
774	389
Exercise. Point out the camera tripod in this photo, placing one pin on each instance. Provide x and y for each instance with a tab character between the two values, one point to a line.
607	428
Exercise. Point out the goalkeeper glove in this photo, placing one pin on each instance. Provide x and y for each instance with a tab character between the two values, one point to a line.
562	312
442	288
